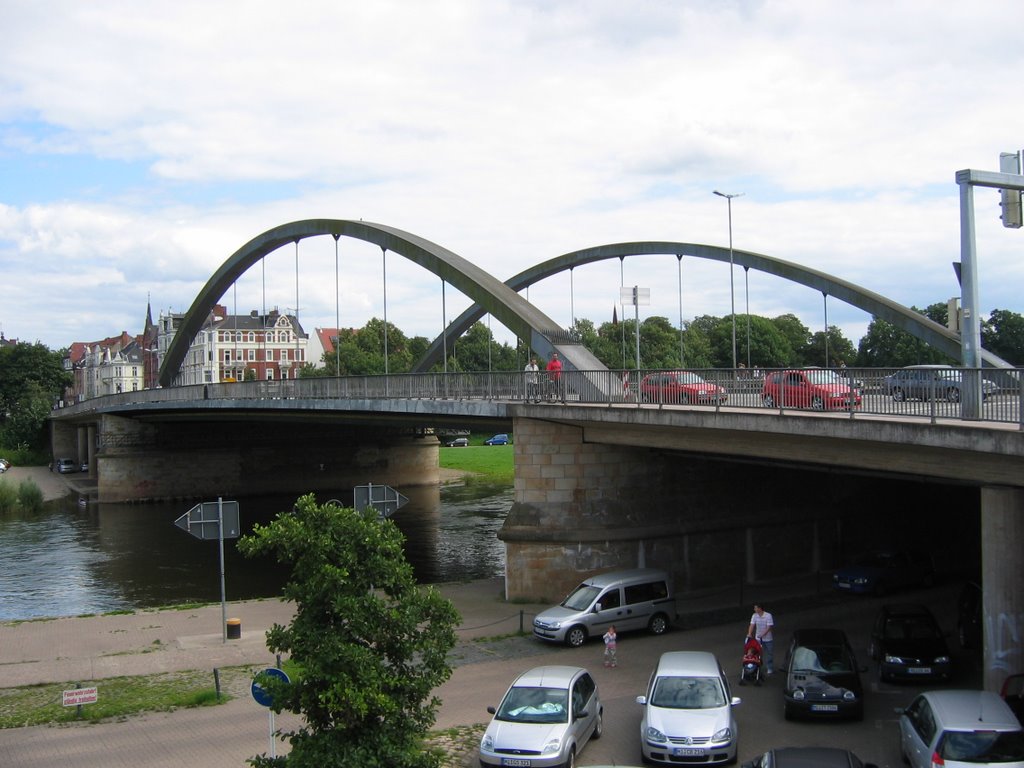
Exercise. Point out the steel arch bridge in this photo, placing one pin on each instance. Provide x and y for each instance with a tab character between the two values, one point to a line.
503	301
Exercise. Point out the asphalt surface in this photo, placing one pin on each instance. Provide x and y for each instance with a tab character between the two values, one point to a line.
486	658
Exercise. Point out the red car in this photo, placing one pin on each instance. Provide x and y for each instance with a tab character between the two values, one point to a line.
816	388
679	387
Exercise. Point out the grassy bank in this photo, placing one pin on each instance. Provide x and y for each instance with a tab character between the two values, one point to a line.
493	462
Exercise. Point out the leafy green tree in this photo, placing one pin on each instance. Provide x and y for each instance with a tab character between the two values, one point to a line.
32	379
839	349
797	336
1003	335
371	645
886	346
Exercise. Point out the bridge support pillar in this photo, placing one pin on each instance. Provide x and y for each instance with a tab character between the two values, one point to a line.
1002	545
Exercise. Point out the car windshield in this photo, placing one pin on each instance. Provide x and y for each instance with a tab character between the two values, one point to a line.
982	746
688	693
688	377
827	659
581	597
535	705
822	376
911	628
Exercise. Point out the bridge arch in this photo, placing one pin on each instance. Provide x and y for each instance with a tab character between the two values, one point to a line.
875	304
489	293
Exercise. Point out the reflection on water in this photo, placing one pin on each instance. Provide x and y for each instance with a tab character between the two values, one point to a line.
70	560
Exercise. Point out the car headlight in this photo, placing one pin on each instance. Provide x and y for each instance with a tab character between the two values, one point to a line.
861	580
799	694
849	696
552	747
890	659
487	742
725	734
942	659
653	734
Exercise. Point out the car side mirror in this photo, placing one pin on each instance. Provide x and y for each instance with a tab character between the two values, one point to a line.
641	699
736	700
491	711
578	715
597	608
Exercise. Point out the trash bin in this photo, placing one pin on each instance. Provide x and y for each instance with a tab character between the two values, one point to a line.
234	629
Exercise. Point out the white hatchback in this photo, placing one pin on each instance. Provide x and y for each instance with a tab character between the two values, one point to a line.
544	720
688	713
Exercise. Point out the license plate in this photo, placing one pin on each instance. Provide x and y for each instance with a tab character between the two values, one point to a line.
920	670
841	585
824	707
687	752
518	762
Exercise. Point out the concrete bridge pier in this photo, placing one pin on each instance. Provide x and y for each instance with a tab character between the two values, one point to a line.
1002	536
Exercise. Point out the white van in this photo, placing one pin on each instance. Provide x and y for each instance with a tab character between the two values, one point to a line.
638	599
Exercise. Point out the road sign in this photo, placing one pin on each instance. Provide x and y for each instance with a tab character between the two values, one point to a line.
202	520
385	499
261	694
79	696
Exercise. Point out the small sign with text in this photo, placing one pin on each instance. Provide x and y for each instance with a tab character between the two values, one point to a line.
80	696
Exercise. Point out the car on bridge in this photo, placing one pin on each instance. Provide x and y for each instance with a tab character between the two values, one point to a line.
930	382
817	388
680	387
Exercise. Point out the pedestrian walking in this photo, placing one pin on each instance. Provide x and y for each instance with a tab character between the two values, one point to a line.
531	371
762	625
609	647
554	370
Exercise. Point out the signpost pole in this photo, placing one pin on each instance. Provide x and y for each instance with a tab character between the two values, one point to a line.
273	745
223	601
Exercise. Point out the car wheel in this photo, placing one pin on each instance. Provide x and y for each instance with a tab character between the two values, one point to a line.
768	401
576	637
658	625
571	762
953	395
899	395
598	726
818	404
684	399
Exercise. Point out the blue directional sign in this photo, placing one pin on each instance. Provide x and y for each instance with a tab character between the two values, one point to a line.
261	694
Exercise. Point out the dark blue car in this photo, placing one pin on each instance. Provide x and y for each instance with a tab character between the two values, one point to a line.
497	440
883	572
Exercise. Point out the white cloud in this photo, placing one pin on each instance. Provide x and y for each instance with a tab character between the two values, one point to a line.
508	132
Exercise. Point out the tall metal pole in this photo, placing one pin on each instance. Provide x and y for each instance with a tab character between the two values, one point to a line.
682	357
732	290
746	287
223	597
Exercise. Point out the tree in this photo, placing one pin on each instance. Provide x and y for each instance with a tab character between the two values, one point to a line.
1003	335
886	346
371	646
839	349
32	378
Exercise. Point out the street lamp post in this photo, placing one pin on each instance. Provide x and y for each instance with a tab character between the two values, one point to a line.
732	291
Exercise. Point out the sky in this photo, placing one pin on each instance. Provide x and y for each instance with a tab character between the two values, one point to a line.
142	144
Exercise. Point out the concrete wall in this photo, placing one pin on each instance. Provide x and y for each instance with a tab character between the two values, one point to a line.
240	458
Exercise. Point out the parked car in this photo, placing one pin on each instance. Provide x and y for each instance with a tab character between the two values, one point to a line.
968	616
879	573
66	466
4	465
544	719
808	757
639	598
459	442
501	439
960	728
688	712
927	382
680	387
908	645
1012	693
822	676
816	388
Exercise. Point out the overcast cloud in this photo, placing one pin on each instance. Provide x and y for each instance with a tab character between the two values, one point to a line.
141	144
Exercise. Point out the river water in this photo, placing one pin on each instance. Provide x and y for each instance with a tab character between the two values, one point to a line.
69	560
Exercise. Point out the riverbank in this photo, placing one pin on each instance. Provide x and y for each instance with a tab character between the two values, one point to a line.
52	485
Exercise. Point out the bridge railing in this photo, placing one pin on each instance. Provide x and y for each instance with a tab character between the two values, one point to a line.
931	393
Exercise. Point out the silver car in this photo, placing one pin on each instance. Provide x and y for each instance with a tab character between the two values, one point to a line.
688	715
960	729
544	720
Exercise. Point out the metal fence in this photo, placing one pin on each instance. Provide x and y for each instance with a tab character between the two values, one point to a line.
932	394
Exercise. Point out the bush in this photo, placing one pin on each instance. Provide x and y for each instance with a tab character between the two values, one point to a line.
8	498
30	496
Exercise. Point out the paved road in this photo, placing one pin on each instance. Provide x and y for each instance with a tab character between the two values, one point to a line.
89	649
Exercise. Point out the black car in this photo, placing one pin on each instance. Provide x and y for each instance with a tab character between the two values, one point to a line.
908	645
808	757
822	676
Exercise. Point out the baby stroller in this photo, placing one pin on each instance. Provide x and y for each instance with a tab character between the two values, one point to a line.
752	669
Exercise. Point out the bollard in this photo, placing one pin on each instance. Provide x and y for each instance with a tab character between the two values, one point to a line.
521	630
234	629
216	681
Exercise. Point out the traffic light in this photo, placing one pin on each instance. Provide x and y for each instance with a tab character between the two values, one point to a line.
1009	162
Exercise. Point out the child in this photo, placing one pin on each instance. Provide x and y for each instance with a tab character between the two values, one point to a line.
609	646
